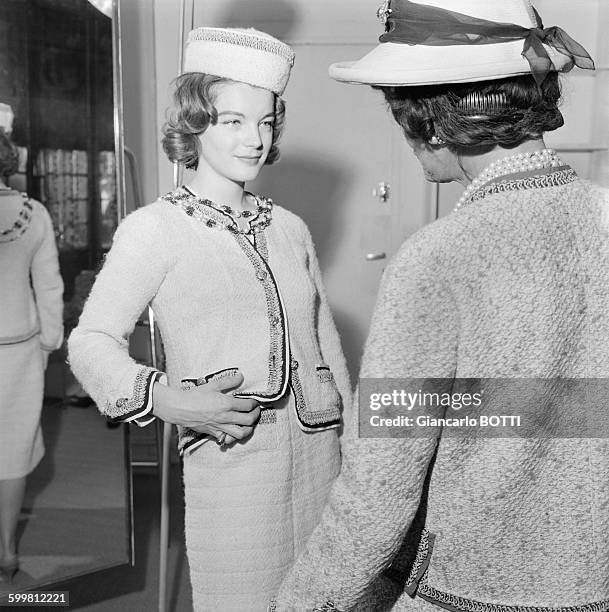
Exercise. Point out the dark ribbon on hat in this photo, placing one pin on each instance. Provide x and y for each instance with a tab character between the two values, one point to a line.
420	24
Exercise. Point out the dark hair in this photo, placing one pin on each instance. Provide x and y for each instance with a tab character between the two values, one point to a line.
433	110
194	112
9	156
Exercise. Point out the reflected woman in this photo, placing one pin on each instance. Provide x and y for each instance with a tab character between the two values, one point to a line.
31	326
513	284
252	351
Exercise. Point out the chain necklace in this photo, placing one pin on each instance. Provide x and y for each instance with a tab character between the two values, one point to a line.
522	162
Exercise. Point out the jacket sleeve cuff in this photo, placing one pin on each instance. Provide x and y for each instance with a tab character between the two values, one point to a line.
138	407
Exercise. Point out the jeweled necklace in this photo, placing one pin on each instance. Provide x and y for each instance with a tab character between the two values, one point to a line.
236	213
21	223
522	162
260	219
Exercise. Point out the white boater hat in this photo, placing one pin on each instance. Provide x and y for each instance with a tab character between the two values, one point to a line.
429	42
245	55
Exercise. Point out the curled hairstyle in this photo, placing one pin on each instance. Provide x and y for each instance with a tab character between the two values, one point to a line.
9	156
194	112
435	110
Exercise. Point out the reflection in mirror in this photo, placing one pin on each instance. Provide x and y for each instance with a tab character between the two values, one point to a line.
56	72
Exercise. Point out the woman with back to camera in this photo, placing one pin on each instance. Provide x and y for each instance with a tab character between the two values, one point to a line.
514	284
250	343
31	326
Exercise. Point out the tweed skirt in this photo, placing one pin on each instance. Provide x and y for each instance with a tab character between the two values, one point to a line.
21	394
250	510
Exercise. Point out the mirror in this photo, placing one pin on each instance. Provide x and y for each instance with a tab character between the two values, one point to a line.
56	72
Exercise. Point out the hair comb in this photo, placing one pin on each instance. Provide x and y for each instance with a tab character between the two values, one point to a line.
481	106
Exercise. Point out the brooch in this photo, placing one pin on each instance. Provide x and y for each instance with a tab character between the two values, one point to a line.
384	11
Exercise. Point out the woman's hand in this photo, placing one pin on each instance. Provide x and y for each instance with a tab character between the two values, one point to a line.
210	409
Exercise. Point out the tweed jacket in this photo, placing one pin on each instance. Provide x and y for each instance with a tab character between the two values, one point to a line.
32	289
515	284
222	303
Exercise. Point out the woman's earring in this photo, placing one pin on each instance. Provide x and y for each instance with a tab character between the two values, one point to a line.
436	141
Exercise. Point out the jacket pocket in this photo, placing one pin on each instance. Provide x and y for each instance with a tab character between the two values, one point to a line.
318	402
263	438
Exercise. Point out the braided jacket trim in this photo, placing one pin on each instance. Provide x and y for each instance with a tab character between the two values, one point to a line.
127	409
421	562
277	370
540	181
448	601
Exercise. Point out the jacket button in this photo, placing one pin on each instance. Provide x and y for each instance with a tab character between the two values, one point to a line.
275	320
261	275
294	364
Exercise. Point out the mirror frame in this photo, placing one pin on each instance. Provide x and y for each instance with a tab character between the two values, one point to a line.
121	211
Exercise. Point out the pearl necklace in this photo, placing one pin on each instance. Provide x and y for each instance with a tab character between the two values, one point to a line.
522	162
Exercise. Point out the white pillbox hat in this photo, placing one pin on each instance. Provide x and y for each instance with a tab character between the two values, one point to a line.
245	55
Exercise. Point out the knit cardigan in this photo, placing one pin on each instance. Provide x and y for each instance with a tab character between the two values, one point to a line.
222	303
516	284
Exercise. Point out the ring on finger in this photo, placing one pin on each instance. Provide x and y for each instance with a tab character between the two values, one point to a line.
221	438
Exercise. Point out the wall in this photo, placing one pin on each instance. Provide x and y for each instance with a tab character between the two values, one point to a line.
166	12
140	93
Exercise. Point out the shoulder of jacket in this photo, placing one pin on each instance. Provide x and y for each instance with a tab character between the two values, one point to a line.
38	208
597	192
151	215
36	205
150	225
290	221
40	214
432	242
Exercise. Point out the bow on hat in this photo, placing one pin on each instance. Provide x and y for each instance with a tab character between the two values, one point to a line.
420	24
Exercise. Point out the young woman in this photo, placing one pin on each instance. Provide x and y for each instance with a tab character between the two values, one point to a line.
31	326
513	285
252	351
